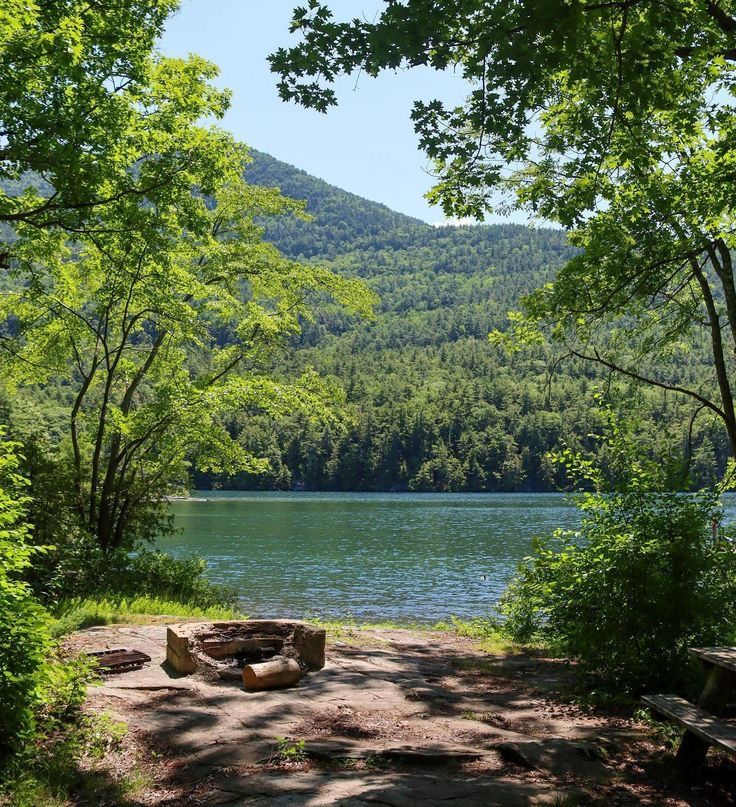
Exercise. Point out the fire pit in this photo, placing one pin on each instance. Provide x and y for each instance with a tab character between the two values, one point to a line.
263	653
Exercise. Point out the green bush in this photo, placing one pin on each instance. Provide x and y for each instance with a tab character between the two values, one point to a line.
643	580
24	638
40	695
77	568
649	574
156	574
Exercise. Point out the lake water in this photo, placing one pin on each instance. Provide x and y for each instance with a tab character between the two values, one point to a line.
421	557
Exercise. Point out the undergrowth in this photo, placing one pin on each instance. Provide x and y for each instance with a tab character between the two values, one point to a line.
667	734
63	762
84	612
66	765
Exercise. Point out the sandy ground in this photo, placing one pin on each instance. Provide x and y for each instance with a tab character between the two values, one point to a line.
395	718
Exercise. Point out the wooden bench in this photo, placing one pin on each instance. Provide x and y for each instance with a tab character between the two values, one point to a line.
712	730
703	725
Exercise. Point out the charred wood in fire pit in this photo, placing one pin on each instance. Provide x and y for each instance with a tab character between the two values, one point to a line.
255	649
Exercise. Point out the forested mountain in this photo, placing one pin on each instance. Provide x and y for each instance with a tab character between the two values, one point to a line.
433	404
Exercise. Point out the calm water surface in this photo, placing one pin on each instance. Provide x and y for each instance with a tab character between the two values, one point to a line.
374	556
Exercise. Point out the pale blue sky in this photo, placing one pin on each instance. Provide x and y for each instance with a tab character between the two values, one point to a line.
366	145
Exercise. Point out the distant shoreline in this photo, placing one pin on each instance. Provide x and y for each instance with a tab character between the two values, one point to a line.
377	492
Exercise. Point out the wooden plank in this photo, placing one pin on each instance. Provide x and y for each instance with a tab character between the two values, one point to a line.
719	656
708	728
713	699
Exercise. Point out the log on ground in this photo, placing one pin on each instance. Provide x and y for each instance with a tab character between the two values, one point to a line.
278	672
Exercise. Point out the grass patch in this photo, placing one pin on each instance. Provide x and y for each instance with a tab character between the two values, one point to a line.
351	631
489	634
84	612
486	632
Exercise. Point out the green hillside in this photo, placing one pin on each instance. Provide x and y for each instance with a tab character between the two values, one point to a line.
435	406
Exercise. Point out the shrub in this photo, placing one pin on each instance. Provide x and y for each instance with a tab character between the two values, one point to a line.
79	569
649	573
156	574
24	638
40	695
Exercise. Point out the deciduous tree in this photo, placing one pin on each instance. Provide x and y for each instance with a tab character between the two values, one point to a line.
614	119
156	325
90	113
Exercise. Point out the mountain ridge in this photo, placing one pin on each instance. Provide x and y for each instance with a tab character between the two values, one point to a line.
434	406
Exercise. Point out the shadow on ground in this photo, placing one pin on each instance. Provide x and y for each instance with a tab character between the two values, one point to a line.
394	718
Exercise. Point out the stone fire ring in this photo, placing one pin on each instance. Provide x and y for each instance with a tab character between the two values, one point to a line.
221	648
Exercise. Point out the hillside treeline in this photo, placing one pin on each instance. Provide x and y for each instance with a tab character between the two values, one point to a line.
431	404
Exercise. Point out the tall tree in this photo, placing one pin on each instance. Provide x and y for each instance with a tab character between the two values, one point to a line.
653	282
156	326
615	119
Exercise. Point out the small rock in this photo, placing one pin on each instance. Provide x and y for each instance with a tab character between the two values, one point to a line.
511	752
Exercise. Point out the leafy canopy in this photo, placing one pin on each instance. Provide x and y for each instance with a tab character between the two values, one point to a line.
89	108
614	119
132	244
562	94
128	321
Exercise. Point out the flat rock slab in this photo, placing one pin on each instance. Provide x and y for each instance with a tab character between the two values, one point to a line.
413	702
395	789
434	753
556	756
154	676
